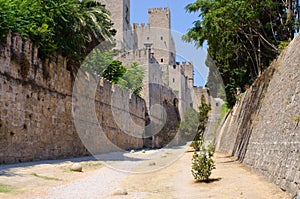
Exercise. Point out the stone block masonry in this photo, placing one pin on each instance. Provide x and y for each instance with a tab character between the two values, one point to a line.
263	128
36	120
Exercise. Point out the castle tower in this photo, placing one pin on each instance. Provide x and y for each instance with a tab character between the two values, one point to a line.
120	15
160	24
188	72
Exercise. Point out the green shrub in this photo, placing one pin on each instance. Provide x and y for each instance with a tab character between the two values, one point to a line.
202	162
204	109
188	127
195	145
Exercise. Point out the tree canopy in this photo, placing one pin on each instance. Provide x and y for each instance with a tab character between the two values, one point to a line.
72	28
189	126
132	80
243	36
68	27
114	71
102	63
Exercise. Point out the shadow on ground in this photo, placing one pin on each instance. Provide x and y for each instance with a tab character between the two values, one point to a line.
211	180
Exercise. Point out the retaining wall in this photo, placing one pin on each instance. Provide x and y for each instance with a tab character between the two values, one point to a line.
263	128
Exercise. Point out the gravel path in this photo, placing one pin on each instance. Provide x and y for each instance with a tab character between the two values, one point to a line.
163	173
105	182
100	185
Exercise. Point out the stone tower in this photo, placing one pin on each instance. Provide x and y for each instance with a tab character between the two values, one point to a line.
120	13
188	69
160	23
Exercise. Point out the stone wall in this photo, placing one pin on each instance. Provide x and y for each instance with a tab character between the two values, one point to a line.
164	117
263	130
163	114
36	120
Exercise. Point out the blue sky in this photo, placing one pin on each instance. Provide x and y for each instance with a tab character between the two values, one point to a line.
181	21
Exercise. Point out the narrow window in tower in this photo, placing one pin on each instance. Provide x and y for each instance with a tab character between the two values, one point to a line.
161	38
162	60
173	80
148	38
127	15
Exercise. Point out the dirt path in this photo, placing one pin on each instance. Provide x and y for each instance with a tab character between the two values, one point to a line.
28	180
232	180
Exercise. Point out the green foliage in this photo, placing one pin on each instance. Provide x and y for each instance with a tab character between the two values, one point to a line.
295	118
101	62
204	109
4	188
224	110
195	145
243	38
98	60
114	71
132	80
214	80
68	27
188	127
202	162
282	45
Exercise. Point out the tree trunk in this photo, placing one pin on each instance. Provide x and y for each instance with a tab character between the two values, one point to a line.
291	17
297	13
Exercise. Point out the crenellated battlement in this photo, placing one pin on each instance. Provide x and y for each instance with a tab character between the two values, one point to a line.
134	53
187	68
158	11
140	26
185	64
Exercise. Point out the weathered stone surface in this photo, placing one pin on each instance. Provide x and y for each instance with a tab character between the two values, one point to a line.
76	167
262	130
120	192
36	120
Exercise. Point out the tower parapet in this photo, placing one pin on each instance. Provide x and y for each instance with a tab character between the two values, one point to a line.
159	17
140	26
187	69
159	10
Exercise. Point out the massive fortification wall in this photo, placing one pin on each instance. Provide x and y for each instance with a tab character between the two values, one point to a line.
262	130
36	109
162	126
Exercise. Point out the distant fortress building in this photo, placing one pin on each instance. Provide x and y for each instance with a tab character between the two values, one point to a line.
152	46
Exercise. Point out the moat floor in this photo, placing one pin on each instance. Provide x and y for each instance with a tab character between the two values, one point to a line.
113	178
